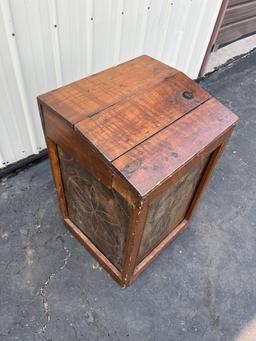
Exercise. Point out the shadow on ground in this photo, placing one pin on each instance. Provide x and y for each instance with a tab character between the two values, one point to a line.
203	287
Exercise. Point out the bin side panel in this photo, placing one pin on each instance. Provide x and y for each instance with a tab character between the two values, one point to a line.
100	213
169	209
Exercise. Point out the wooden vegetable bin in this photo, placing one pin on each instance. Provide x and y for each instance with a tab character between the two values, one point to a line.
131	150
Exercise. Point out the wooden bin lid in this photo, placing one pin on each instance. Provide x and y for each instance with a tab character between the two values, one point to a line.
144	117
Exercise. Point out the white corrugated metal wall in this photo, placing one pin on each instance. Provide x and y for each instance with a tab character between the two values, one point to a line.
47	43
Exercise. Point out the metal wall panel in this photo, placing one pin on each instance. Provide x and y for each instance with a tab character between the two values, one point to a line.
48	43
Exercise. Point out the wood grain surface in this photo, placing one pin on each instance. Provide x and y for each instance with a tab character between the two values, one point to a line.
160	120
122	126
73	144
147	165
100	213
89	95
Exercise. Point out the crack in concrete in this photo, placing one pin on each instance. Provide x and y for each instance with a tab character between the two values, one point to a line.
209	304
42	290
75	333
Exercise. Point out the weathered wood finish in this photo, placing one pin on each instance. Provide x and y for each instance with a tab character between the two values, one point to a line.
169	209
132	149
164	153
94	251
88	96
158	249
55	165
102	214
147	113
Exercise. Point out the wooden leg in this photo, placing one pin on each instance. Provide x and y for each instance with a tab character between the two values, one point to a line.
206	177
136	228
54	158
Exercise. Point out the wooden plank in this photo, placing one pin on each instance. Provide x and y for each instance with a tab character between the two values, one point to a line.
87	156
136	228
240	12
54	160
188	166
208	173
116	130
156	159
73	144
236	30
87	96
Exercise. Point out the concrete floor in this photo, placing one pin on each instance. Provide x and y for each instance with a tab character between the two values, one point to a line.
231	51
203	287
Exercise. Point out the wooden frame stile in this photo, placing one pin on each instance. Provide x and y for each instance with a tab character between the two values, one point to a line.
216	154
136	228
55	166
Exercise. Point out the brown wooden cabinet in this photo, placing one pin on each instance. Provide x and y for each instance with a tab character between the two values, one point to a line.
131	150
